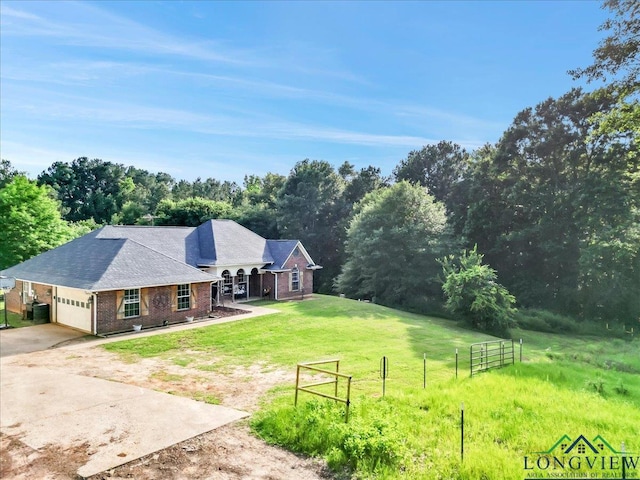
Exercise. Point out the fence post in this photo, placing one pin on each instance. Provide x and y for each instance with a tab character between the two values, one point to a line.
384	369
348	399
520	350
462	432
471	361
456	363
297	384
424	371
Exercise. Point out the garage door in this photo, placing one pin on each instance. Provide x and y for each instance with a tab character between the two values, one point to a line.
73	309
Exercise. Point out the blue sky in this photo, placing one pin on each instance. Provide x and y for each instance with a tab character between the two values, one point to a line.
224	89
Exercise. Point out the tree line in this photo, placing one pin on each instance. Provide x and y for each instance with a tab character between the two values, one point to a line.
551	211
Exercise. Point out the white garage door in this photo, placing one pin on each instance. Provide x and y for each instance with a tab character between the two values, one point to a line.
73	308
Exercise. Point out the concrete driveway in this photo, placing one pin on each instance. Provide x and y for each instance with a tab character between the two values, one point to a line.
116	423
15	341
46	407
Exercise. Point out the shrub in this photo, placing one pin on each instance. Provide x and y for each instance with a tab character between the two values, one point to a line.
473	294
546	321
370	442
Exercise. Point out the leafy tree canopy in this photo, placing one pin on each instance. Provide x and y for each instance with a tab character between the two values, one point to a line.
191	212
392	245
472	293
30	222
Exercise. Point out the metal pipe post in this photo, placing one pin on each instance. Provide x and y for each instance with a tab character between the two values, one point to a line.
462	432
456	363
424	371
520	350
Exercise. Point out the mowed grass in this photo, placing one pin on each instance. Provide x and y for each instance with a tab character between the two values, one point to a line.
565	385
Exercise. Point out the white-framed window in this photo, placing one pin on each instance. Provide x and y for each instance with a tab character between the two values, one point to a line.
240	289
132	303
227	283
184	297
295	280
26	290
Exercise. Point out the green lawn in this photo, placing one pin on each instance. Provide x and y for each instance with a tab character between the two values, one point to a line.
566	385
13	319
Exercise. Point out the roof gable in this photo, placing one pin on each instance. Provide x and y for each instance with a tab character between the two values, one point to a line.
281	250
225	242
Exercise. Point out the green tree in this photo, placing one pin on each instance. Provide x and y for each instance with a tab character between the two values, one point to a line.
258	210
438	167
617	57
191	212
617	63
8	172
310	207
30	221
358	184
550	185
88	189
473	294
392	245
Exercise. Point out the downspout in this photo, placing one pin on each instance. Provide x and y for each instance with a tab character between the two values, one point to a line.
275	295
94	305
54	303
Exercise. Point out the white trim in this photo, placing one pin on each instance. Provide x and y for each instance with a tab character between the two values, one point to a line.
275	284
94	310
178	297
304	253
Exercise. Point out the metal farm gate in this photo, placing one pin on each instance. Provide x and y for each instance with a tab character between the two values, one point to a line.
488	355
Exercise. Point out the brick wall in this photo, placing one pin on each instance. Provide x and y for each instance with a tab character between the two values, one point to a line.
268	281
15	302
159	303
307	278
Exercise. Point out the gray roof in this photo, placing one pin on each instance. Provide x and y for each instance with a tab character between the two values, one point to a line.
117	257
225	242
280	249
95	263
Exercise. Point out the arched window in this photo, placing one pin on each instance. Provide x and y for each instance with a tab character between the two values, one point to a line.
241	288
227	283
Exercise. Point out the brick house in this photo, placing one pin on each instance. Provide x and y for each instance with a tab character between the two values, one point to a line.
119	276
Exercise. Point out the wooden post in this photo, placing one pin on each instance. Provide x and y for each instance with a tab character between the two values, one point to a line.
348	399
297	384
337	371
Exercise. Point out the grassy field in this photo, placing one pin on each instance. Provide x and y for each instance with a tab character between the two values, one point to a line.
565	386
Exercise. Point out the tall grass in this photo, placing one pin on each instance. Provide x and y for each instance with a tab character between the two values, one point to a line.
566	385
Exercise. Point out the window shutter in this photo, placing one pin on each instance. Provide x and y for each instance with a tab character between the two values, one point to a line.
120	304
144	301
300	280
290	281
174	298
194	297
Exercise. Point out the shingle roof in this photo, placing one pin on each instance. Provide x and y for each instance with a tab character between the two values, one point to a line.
117	257
225	242
97	262
280	249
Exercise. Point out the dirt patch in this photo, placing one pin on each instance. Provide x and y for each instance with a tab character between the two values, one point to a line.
230	452
21	462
